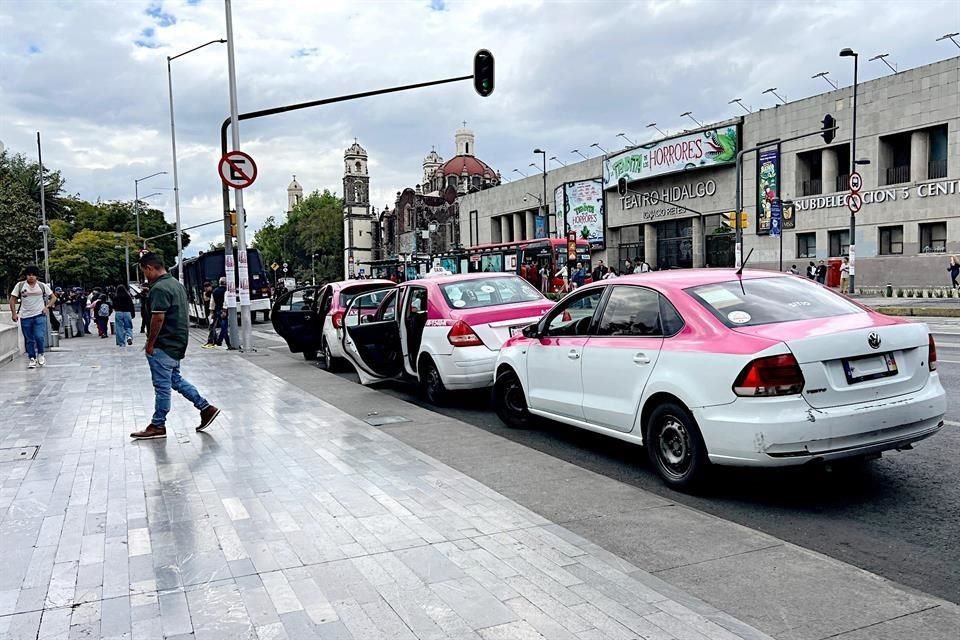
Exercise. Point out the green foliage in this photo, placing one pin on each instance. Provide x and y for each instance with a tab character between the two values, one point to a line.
315	226
92	258
18	231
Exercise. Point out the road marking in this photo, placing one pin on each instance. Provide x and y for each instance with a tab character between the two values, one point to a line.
939	360
948	344
951	423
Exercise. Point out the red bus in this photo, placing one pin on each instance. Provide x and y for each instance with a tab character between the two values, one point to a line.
529	258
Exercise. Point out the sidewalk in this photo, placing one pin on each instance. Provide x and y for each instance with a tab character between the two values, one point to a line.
288	519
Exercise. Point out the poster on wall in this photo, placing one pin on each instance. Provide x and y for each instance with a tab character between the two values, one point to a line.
768	187
584	210
700	150
539	227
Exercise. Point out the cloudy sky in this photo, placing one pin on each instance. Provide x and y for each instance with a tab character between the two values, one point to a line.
91	76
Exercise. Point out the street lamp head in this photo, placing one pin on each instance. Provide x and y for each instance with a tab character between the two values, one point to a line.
686	113
652	124
770	90
539	150
847	52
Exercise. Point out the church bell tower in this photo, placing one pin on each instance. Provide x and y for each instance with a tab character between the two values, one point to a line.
357	217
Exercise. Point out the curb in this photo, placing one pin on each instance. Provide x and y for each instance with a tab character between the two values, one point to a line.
948	312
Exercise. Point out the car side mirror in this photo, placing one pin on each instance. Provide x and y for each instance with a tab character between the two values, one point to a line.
531	331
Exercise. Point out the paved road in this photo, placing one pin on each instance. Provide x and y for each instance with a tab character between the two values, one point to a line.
898	517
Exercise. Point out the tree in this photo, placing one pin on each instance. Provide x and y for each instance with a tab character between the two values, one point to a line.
92	258
18	232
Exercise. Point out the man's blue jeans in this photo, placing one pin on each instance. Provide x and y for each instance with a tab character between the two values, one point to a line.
165	372
34	334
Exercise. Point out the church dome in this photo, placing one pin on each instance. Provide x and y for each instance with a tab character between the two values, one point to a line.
433	158
294	185
471	164
355	150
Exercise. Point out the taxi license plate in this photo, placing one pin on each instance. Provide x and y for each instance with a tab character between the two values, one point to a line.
869	368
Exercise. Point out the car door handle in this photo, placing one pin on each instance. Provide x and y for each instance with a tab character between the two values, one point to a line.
641	358
573	355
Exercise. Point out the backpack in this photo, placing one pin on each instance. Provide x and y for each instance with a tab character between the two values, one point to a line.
104	310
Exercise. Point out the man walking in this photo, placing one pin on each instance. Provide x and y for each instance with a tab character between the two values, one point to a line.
166	346
29	302
218	297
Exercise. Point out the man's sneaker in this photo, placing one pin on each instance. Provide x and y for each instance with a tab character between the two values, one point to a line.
129	341
33	363
209	345
152	432
41	360
207	416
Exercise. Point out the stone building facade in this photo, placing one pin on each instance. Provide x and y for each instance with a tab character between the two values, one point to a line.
908	128
358	219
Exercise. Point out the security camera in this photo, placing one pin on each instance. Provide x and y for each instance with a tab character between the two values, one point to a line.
524	198
43	228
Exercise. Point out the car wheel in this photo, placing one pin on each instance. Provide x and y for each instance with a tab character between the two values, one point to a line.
329	362
309	355
675	447
431	383
509	401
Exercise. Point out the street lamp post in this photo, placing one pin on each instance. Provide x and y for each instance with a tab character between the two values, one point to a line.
852	253
545	206
173	144
44	229
136	195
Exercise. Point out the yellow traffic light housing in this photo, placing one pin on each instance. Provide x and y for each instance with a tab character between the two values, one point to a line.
233	224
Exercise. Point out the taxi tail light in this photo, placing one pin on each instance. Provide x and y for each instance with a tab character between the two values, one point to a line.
462	335
337	320
770	376
932	354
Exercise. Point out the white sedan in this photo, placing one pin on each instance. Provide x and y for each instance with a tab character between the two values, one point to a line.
703	366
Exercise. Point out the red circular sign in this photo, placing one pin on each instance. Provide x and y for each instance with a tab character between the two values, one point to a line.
237	170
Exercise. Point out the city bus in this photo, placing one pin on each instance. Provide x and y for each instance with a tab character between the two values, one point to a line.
209	267
527	258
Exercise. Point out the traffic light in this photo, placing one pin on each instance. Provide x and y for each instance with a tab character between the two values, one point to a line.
483	72
622	186
829	131
233	224
728	220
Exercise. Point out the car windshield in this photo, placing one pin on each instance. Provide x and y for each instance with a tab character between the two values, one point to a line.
488	292
770	300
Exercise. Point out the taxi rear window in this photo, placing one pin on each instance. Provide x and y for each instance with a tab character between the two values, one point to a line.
770	300
488	292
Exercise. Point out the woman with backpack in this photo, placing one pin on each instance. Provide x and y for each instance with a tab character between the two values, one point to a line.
101	313
123	314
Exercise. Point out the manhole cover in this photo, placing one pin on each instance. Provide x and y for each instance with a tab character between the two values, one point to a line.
18	453
379	421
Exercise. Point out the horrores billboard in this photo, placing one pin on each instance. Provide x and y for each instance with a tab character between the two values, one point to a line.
582	203
710	148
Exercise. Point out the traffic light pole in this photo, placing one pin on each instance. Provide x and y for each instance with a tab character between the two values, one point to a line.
739	186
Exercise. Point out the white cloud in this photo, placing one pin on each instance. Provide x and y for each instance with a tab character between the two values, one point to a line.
568	74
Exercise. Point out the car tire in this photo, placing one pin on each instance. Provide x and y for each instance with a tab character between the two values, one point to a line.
509	401
431	384
329	362
309	355
675	446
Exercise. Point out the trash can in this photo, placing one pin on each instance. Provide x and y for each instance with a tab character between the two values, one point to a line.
833	272
113	329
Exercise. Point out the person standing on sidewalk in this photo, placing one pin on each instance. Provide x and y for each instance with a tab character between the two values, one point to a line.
217	297
123	313
844	275
166	347
822	273
30	301
954	269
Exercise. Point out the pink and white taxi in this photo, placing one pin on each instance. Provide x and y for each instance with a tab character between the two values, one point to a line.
443	330
702	366
310	319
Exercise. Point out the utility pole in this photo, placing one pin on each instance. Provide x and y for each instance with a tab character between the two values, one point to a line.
246	332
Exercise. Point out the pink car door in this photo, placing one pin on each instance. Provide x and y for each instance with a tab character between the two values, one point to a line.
553	360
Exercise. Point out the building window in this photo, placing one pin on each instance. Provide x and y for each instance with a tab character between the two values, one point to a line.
806	245
937	165
839	243
473	222
358	167
895	158
891	241
933	237
466	148
809	171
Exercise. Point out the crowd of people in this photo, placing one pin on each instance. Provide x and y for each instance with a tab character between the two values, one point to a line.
106	308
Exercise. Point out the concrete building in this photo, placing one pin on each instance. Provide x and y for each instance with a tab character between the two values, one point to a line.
682	188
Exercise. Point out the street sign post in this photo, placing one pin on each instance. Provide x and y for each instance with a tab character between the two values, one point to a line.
237	170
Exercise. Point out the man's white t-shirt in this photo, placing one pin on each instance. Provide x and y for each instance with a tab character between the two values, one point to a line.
32	299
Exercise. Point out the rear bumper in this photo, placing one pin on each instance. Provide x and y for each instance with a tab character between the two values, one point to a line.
467	368
774	432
